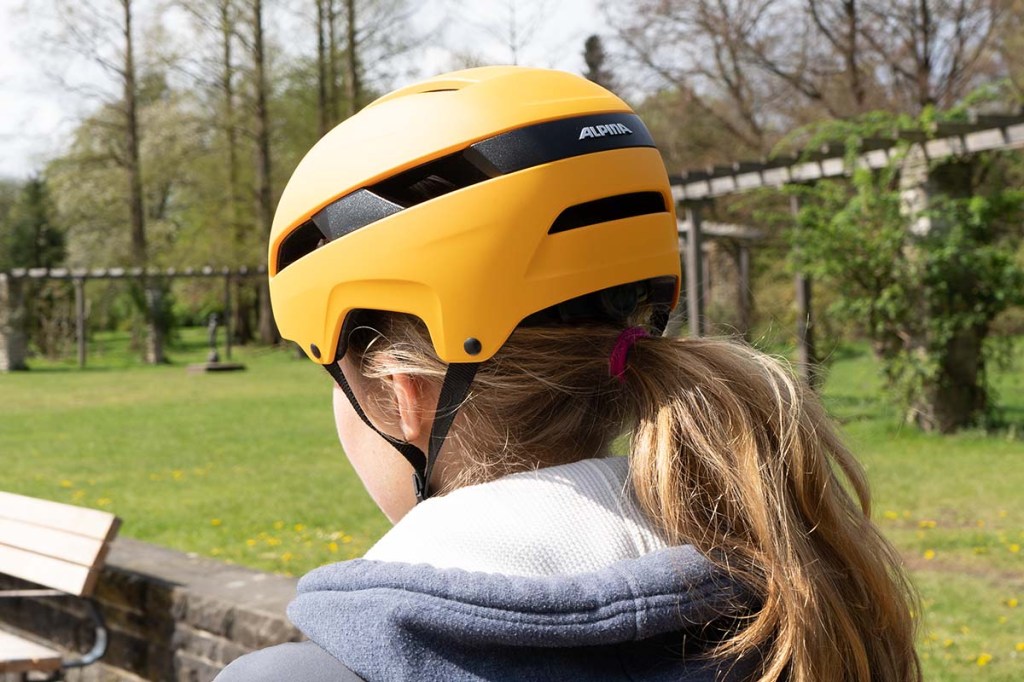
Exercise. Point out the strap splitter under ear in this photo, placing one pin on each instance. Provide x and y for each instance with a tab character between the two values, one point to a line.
457	381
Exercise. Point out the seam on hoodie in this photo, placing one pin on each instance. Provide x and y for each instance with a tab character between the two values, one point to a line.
490	613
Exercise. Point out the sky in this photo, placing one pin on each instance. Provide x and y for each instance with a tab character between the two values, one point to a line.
38	113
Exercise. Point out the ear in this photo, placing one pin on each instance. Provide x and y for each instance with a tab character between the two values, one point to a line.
413	410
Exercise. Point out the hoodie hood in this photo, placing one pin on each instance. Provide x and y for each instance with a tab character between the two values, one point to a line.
648	617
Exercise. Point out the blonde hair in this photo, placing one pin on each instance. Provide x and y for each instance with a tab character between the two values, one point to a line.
728	452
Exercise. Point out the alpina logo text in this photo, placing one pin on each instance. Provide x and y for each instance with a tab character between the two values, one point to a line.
601	131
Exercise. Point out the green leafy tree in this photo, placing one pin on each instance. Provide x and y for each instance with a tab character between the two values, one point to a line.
30	239
926	299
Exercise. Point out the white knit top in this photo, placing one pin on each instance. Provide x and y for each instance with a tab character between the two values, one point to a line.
560	520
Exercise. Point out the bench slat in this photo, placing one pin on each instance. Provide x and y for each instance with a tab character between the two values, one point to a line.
77	549
69	518
42	570
21	655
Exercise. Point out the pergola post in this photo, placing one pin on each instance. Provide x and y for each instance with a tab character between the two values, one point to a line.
79	284
694	270
806	355
13	338
955	395
743	300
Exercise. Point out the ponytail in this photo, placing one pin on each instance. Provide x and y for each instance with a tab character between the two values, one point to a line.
731	454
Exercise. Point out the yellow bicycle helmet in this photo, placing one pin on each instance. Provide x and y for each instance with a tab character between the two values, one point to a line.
475	200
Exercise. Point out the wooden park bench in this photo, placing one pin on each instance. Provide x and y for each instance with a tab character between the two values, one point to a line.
61	548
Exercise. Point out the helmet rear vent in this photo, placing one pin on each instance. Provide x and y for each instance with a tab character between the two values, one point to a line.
607	209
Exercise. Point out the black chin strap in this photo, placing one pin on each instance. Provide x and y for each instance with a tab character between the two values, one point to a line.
454	389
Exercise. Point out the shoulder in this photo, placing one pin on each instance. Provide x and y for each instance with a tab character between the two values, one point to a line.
293	661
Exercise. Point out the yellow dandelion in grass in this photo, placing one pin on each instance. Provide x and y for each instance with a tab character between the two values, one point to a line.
251	542
1019	646
346	539
273	542
299	528
946	643
104	502
77	496
965	630
66	483
926	523
1012	602
278	525
929	554
332	547
1014	547
984	659
1002	513
216	551
286	557
177	474
891	515
215	522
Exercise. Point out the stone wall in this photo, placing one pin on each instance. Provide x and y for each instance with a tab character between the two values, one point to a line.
171	616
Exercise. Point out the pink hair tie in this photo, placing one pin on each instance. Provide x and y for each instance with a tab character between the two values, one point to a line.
617	361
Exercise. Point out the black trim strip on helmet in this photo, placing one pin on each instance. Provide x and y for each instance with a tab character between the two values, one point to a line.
542	143
508	152
352	212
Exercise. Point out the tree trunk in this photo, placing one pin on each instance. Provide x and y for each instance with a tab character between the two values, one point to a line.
321	67
956	397
269	333
153	348
333	86
241	329
353	88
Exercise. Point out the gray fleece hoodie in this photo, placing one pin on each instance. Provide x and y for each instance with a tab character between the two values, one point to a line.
641	619
553	574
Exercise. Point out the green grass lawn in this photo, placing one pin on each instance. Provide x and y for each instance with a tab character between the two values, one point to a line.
954	505
246	467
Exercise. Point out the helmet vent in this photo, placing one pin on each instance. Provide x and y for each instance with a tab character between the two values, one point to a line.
300	242
607	209
430	180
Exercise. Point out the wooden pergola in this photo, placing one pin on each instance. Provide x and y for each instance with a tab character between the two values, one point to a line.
12	341
694	190
745	237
